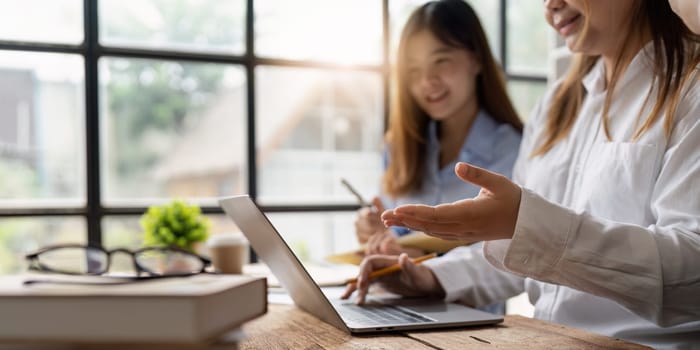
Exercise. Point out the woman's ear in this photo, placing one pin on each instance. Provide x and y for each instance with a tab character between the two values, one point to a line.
475	61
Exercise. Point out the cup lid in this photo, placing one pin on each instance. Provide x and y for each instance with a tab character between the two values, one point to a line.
229	238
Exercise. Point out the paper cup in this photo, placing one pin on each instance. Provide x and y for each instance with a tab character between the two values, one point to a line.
229	252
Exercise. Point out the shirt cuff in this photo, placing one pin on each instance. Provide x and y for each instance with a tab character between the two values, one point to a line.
450	273
541	233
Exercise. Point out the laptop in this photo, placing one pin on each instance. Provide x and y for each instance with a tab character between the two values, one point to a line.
378	315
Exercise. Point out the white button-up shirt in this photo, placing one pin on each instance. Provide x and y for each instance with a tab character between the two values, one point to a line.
608	232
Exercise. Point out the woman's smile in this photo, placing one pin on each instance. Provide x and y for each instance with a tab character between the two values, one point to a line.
436	96
567	26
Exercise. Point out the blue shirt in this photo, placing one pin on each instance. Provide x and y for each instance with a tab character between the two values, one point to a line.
490	145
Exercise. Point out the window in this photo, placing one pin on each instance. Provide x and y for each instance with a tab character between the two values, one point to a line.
42	21
42	142
109	106
332	128
170	128
527	47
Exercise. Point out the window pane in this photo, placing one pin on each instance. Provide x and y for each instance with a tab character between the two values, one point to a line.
42	142
47	21
122	232
314	127
211	25
528	37
344	31
525	95
19	236
313	236
171	129
487	10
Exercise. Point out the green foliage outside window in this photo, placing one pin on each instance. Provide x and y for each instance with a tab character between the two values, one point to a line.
151	100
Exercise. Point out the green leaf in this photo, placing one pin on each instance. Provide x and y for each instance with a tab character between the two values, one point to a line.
175	223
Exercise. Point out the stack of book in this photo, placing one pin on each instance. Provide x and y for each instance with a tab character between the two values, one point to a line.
188	312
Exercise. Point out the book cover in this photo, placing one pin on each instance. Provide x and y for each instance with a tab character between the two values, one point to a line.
188	310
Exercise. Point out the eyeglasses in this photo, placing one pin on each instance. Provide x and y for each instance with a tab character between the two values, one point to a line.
75	259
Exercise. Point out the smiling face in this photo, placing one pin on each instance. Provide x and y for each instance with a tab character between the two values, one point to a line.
607	22
441	78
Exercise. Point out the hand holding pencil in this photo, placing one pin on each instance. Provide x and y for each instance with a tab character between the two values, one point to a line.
396	274
393	268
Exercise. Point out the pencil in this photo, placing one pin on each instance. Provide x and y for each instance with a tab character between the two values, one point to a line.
393	268
354	192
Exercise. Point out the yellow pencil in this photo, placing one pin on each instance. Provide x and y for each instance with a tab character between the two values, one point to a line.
393	268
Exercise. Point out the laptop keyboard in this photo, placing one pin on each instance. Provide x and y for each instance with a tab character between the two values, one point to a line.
381	314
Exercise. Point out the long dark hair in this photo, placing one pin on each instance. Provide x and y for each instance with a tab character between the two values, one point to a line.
455	24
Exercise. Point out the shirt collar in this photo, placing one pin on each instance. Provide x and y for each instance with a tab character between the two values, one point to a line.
594	81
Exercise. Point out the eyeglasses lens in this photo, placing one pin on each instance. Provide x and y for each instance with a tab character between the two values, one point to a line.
75	260
168	262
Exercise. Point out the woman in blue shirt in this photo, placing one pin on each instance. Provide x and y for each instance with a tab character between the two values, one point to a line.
449	105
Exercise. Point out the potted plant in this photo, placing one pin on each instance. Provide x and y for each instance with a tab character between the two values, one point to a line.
175	224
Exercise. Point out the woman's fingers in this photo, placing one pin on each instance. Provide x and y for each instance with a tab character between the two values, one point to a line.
419	278
446	228
382	243
407	265
483	178
425	212
419	224
388	244
367	223
378	205
412	280
373	244
455	212
349	289
411	275
369	264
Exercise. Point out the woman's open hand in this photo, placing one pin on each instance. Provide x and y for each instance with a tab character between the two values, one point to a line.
489	216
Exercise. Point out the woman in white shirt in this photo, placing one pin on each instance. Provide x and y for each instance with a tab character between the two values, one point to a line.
602	224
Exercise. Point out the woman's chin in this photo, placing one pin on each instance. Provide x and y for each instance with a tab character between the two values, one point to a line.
574	44
437	112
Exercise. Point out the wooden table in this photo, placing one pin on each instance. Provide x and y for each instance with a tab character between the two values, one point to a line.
287	327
